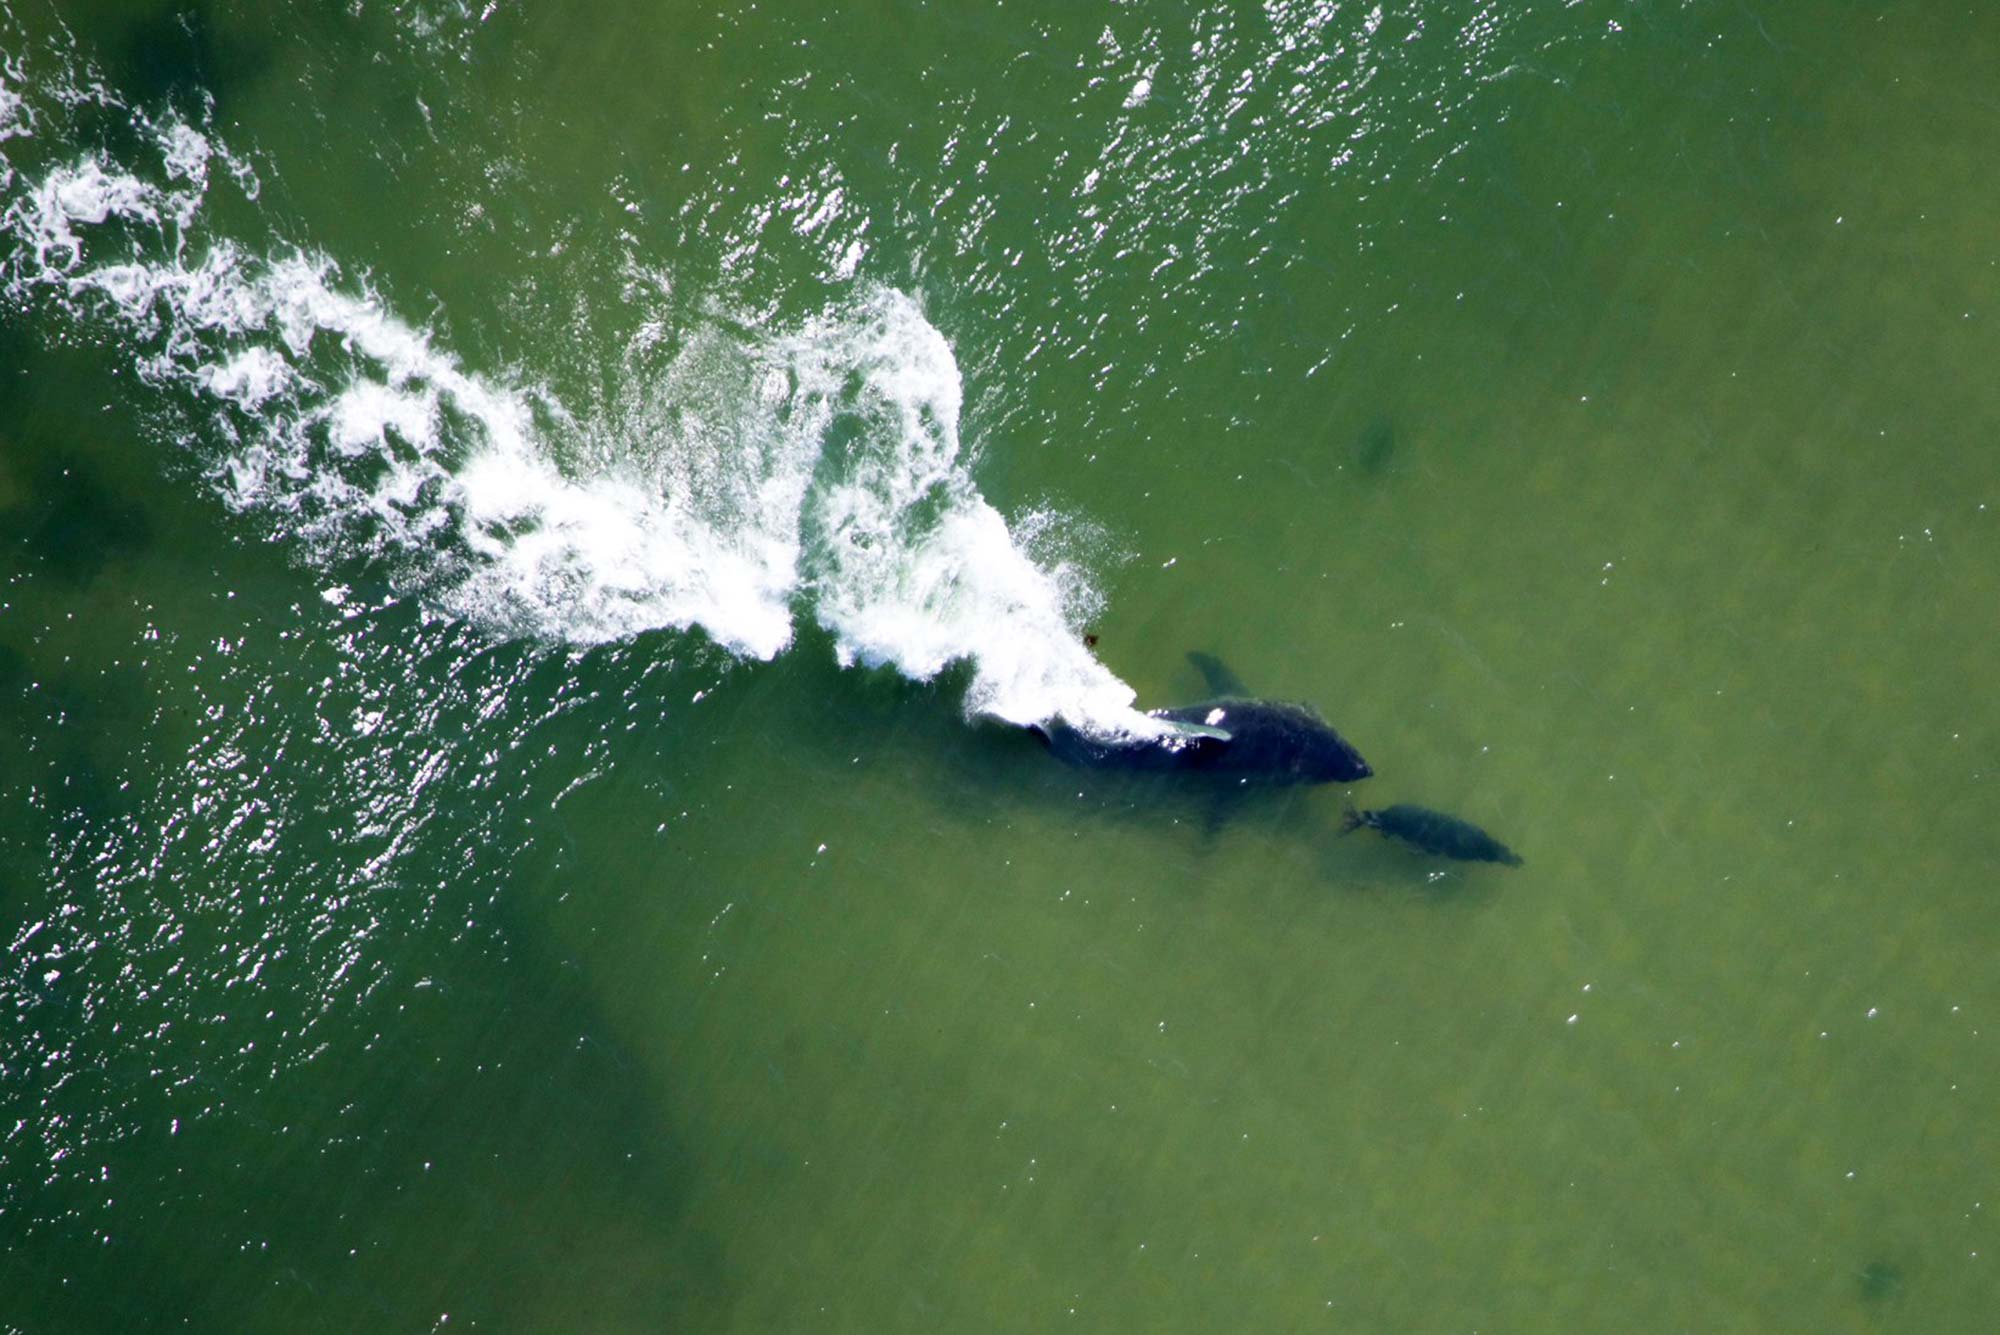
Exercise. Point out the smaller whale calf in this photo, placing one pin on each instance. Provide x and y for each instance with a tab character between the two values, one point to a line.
1433	832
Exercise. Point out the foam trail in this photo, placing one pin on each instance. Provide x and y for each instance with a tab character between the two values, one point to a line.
356	435
755	475
15	119
912	567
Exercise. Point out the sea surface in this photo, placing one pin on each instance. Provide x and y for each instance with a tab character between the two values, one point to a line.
529	534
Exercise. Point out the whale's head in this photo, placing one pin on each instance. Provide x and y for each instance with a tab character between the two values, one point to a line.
1324	756
1331	760
1279	742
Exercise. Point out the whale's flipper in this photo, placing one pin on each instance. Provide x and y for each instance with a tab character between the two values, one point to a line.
1221	681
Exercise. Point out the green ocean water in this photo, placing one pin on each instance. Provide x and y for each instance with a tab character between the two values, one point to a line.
1589	407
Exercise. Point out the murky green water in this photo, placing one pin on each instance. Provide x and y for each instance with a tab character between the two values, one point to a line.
1590	407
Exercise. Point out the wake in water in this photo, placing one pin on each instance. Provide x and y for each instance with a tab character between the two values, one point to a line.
817	470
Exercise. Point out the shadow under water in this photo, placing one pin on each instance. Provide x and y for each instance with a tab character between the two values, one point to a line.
179	54
72	525
1375	447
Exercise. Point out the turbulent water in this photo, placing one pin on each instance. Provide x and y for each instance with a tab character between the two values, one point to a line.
740	475
526	537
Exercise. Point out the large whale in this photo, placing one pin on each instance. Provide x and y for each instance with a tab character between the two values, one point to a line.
1232	739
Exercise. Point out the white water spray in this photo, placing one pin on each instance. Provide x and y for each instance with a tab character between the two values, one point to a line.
817	468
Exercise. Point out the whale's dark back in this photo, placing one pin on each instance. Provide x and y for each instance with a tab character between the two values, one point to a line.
1244	741
1272	742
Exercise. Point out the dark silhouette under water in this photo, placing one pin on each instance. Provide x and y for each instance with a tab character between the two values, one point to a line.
1433	832
71	524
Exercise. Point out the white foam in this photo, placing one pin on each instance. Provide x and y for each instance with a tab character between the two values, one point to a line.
16	122
87	194
746	477
913	568
364	414
249	378
964	590
186	154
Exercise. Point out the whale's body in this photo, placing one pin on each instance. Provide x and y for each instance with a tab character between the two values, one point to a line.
1434	832
1234	741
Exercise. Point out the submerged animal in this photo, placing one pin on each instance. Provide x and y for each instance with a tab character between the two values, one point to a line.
1433	832
1237	740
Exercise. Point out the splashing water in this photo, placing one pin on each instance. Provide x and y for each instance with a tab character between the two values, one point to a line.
817	468
913	567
